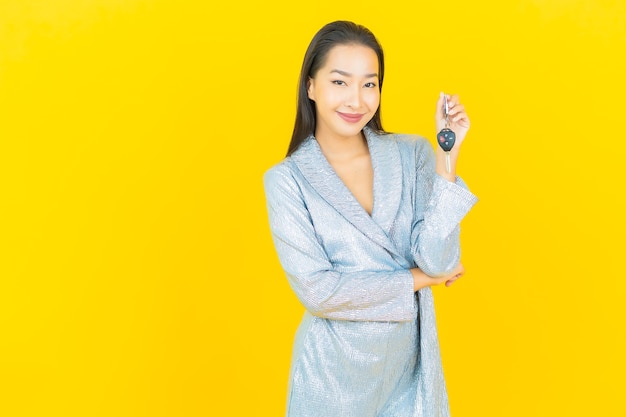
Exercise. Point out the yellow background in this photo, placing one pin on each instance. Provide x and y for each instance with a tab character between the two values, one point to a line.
137	273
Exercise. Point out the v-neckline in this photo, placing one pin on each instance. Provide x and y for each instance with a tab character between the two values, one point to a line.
387	185
351	190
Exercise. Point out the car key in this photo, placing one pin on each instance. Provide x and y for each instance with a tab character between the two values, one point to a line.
446	136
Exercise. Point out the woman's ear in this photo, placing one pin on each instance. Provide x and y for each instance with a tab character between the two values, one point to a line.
309	88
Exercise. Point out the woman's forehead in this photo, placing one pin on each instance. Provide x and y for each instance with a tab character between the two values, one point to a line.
352	59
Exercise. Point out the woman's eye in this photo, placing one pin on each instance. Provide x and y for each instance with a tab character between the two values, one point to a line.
339	82
370	85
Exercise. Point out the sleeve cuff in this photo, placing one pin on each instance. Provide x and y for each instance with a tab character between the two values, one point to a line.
450	201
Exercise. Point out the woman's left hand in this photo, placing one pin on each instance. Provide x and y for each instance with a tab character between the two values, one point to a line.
458	120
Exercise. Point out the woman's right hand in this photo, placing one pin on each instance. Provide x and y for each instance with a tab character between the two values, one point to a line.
421	280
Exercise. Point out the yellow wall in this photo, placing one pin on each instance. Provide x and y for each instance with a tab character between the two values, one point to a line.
137	274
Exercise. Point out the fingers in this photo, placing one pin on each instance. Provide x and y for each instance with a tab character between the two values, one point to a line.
459	270
460	117
453	100
456	110
451	281
457	273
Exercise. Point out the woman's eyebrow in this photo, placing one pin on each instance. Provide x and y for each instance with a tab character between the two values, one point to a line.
347	74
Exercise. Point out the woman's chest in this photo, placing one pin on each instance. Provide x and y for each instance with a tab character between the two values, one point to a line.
358	177
353	239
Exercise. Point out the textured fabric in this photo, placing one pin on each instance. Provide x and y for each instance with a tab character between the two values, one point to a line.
367	345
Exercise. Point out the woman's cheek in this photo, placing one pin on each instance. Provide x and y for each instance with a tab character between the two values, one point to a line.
373	100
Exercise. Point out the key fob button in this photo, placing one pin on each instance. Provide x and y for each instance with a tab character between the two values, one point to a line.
446	139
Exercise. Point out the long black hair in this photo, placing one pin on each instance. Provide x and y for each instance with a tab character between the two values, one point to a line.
333	34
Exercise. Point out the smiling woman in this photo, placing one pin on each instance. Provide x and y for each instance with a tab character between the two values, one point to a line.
364	223
345	90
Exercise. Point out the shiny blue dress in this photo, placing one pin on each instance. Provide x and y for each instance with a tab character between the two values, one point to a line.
367	345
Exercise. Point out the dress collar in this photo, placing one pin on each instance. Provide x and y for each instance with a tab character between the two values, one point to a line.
387	167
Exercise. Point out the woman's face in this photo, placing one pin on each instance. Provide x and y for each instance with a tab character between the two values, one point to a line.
345	91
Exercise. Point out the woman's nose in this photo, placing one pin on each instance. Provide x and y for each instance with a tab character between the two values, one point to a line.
354	99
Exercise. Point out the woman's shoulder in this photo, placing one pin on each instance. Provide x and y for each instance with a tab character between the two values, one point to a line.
280	174
281	168
290	168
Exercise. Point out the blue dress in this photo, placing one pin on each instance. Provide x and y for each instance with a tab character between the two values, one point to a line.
367	345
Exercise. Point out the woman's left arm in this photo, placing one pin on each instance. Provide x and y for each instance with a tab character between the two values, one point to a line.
441	200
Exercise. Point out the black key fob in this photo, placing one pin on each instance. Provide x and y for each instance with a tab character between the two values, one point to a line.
446	139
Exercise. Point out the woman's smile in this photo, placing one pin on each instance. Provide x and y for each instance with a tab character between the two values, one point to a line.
351	117
346	93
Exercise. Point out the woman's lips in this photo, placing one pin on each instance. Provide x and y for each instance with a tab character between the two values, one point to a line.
350	117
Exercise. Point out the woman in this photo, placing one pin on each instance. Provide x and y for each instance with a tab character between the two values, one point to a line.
364	222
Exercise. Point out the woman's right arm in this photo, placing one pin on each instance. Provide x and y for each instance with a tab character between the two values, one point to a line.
381	295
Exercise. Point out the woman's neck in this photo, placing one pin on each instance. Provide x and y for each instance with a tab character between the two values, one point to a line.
341	149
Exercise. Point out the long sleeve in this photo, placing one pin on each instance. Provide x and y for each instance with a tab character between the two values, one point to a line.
440	206
368	295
